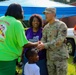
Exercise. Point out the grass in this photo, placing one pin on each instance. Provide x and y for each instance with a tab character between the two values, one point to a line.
19	70
71	68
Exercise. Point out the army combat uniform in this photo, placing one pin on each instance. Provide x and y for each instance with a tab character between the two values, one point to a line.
56	52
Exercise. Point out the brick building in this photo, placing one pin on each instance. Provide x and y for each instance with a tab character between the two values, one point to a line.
70	21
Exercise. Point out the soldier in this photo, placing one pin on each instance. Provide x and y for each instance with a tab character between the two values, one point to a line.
54	34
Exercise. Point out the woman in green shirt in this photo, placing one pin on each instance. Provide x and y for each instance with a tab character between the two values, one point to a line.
12	39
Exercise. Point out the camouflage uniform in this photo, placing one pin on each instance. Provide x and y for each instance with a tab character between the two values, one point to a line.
57	54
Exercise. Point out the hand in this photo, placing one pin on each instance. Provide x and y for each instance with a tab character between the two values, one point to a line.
40	45
39	42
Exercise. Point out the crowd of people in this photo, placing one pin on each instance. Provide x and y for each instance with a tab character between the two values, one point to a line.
43	49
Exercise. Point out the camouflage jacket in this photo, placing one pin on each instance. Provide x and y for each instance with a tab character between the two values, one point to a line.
53	38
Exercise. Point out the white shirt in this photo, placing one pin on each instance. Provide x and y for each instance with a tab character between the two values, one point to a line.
31	69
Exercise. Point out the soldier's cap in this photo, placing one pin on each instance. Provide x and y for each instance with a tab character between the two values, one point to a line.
50	10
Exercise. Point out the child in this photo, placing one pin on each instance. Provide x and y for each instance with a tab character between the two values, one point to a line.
30	67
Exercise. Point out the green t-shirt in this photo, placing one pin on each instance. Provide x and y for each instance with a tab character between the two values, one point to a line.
12	38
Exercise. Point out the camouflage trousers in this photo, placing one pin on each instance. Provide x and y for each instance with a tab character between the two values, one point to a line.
57	67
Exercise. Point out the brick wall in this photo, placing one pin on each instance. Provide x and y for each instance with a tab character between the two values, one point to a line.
70	21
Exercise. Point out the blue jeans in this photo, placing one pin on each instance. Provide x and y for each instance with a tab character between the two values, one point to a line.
40	63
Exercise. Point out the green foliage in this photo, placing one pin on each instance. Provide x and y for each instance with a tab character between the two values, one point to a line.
26	24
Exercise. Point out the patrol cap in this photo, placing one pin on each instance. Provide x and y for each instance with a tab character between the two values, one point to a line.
50	10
